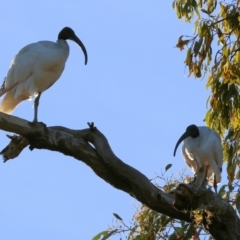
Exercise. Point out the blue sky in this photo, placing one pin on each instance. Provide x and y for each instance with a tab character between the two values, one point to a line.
134	88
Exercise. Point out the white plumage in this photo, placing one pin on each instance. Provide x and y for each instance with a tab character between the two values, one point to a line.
36	68
202	146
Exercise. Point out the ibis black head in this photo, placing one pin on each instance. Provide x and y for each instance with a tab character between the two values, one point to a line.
68	33
191	131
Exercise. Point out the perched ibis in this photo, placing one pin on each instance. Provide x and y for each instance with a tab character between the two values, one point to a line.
35	69
202	147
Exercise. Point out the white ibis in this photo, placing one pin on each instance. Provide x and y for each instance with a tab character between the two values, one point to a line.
202	147
36	68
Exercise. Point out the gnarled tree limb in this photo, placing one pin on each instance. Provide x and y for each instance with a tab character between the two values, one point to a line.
218	217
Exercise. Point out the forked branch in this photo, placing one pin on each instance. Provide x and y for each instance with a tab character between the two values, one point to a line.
99	156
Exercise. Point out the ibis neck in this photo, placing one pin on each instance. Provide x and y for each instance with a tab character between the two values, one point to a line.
64	48
62	42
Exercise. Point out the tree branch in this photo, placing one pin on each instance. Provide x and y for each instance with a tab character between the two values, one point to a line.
91	147
101	159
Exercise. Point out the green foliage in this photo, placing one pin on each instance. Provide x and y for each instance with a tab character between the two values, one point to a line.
168	166
214	50
150	225
117	216
104	235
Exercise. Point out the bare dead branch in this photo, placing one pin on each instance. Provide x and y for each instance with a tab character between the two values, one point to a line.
14	148
217	216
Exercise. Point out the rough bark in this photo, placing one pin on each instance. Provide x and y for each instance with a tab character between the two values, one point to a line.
192	202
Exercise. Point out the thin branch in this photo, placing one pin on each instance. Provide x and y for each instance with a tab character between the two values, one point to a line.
223	19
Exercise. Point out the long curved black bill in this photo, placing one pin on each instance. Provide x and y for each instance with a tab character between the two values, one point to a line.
79	42
185	135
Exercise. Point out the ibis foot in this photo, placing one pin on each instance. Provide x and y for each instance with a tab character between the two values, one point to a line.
37	124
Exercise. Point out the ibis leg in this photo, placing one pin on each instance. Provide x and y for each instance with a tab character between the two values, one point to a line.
206	173
36	103
207	168
215	183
